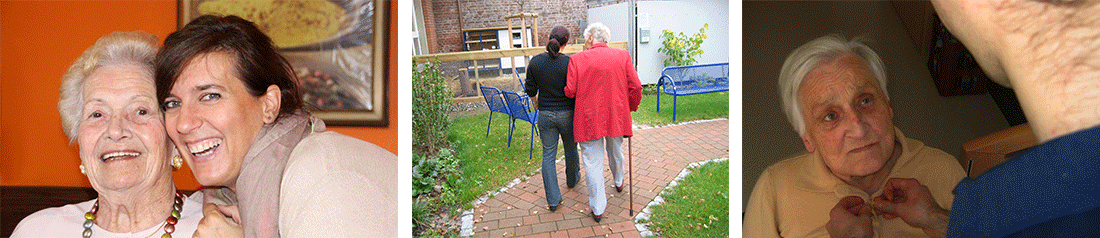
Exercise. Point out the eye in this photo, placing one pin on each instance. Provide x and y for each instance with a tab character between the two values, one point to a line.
210	96
96	115
142	111
170	104
865	101
830	117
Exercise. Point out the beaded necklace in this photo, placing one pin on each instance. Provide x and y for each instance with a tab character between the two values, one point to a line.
169	225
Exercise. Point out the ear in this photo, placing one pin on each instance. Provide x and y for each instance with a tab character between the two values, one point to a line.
271	101
809	145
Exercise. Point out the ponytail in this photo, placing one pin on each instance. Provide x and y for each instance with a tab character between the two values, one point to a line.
553	48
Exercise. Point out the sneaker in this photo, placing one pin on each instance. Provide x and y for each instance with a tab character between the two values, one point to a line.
619	188
597	217
554	207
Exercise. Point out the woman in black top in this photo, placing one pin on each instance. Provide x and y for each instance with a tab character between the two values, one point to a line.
546	73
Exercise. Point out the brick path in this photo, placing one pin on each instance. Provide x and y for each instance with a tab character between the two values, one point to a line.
659	155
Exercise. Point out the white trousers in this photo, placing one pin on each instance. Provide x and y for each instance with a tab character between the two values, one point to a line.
592	154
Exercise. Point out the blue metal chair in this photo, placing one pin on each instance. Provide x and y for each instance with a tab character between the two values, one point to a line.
691	80
495	103
518	107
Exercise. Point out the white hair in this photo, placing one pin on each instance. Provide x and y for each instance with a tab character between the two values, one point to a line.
115	49
817	52
598	32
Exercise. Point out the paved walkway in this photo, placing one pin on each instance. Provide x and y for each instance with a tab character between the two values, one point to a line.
659	155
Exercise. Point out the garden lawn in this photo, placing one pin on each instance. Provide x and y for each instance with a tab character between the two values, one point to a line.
487	163
697	206
688	108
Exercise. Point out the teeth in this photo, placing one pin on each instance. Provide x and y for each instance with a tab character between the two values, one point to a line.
204	148
116	155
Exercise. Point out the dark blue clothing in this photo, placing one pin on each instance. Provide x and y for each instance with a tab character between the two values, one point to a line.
1052	190
546	76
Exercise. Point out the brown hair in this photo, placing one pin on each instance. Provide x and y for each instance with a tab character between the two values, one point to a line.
559	36
258	63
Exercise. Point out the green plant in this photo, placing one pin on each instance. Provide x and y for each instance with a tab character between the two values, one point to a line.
698	206
431	171
680	48
431	100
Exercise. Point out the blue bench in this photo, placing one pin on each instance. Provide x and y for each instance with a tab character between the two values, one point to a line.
691	80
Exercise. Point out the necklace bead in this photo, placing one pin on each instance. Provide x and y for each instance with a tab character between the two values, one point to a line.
169	226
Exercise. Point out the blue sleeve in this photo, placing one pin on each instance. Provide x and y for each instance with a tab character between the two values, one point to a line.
1056	179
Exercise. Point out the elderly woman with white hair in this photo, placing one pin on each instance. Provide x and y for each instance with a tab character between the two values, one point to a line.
108	107
606	88
834	95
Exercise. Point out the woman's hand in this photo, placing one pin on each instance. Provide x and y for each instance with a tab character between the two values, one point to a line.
914	204
850	218
219	221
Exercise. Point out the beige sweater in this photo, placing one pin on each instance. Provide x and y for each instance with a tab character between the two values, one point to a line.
793	198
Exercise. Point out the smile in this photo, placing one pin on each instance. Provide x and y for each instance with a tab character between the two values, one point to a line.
204	148
118	155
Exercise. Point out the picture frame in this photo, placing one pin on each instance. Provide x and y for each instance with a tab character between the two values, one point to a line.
339	55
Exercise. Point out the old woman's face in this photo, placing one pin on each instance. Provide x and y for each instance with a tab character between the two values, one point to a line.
123	144
848	120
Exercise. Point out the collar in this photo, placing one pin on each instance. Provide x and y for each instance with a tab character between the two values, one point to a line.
598	45
820	179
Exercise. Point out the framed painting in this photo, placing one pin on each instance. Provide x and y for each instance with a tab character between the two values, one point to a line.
336	47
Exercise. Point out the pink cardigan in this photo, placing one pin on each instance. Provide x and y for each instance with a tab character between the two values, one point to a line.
606	86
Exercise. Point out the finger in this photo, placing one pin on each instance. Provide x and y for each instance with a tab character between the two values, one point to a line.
214	217
864	211
850	201
230	211
886	207
889	216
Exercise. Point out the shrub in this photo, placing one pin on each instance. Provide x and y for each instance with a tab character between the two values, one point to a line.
431	100
681	49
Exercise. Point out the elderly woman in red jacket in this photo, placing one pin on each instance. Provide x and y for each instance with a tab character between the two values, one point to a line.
606	88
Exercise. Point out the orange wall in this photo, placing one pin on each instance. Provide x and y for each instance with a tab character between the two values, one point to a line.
38	41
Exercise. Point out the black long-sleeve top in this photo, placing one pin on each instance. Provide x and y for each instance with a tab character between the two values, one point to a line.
547	75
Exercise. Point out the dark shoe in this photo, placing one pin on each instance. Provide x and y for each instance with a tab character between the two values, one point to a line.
619	188
554	207
597	217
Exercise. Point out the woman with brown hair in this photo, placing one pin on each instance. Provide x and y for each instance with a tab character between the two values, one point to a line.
232	106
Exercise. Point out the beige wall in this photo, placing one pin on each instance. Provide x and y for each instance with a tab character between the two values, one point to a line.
771	30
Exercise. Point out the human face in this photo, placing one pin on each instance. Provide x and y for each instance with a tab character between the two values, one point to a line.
848	119
121	136
213	119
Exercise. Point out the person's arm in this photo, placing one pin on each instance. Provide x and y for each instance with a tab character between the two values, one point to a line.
760	214
531	86
571	78
634	86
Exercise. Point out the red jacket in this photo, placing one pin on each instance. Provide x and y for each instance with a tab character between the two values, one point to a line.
606	86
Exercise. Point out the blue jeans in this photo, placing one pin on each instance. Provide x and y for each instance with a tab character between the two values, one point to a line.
551	125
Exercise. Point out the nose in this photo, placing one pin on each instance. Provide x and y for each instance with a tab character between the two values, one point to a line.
117	128
857	125
186	120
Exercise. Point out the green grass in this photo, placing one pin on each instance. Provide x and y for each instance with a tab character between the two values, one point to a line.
688	108
487	163
697	207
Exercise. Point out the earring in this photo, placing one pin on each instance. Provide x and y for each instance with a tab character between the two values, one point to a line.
82	170
177	162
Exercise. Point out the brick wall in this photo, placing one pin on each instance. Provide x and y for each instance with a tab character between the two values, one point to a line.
490	13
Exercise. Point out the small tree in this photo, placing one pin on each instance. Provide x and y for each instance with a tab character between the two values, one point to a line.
680	48
431	100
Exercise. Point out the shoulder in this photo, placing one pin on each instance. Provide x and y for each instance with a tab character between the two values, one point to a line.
55	220
333	154
790	167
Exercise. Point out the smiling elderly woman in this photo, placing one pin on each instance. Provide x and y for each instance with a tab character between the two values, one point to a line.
108	107
834	95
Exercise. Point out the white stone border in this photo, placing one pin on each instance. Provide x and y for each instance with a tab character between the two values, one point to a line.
643	228
468	215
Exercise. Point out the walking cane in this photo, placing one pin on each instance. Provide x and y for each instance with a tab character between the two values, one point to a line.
630	159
